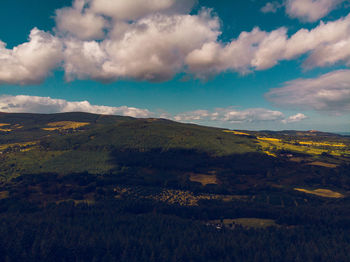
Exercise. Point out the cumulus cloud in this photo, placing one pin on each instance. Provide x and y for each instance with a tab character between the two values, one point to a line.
232	115
311	10
330	54
193	115
329	92
157	44
152	48
31	62
90	19
37	104
326	44
330	33
153	40
79	22
271	7
136	9
214	57
296	118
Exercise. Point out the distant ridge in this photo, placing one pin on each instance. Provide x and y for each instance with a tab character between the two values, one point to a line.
103	118
344	133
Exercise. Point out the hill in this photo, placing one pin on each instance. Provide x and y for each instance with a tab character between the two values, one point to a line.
215	186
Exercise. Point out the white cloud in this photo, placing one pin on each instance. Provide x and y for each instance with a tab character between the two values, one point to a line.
248	115
326	44
153	48
311	10
136	9
329	92
153	40
31	62
232	115
271	49
214	57
271	7
192	116
330	54
47	105
79	22
37	104
144	40
296	118
330	33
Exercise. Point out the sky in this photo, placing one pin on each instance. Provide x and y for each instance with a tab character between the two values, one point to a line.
243	64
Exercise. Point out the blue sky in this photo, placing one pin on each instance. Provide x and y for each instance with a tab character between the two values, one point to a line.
244	64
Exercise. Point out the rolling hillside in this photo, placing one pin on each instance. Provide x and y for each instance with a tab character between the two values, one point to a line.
32	143
124	178
150	148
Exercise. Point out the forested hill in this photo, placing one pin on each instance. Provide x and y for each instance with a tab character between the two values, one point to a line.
36	143
86	187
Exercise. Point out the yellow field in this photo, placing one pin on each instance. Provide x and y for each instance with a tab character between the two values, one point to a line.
236	133
321	192
64	125
270	154
296	159
204	179
4	127
269	139
5	130
21	145
26	149
313	148
310	143
318	163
